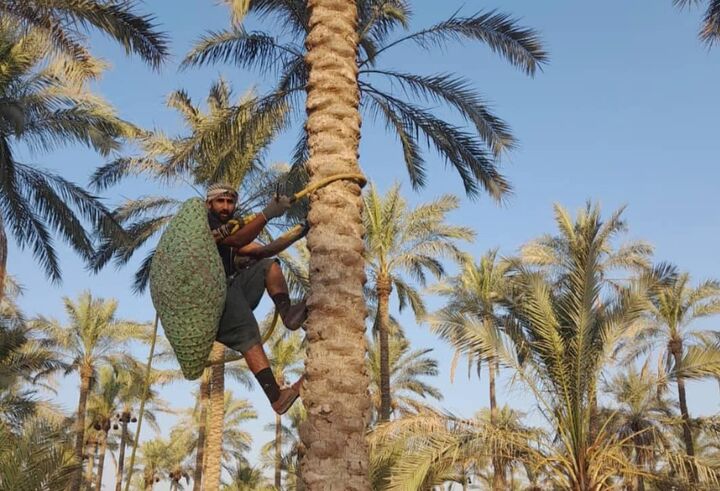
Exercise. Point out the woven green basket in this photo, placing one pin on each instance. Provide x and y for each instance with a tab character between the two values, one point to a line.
187	286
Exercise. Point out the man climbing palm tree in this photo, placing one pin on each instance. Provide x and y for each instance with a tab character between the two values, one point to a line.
251	270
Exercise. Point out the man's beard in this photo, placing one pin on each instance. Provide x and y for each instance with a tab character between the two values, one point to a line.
221	219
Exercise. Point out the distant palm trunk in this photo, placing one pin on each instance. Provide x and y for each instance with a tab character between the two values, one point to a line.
278	451
125	417
101	457
149	481
676	349
217	419
200	451
498	482
3	256
498	470
91	463
85	382
383	289
335	391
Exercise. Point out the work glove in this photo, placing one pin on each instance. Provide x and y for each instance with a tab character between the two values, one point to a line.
277	207
226	230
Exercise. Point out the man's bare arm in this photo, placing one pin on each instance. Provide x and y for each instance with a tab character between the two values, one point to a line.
246	234
259	251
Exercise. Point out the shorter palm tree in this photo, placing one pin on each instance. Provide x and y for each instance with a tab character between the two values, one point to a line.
675	306
24	363
233	444
178	456
641	416
243	477
38	456
407	368
432	447
568	323
133	378
153	461
399	243
93	335
101	407
474	298
204	155
283	453
286	355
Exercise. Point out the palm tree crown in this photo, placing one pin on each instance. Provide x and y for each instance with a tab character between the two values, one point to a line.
471	153
42	109
61	23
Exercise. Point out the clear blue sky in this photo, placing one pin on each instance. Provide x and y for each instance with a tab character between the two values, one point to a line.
625	113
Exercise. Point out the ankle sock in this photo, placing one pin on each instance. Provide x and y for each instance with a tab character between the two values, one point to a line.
268	383
282	302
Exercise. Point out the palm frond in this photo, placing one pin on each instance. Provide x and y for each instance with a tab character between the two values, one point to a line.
241	48
456	92
462	150
520	46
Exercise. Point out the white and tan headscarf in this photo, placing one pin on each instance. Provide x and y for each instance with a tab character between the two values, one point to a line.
219	189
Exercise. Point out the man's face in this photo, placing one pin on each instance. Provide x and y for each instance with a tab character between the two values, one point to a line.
223	207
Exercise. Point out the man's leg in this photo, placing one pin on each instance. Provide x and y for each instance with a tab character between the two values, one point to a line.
280	399
293	316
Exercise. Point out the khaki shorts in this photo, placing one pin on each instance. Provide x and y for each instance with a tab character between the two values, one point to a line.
238	327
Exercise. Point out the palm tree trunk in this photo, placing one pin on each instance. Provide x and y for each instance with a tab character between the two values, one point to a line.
640	484
335	391
91	464
200	451
101	461
85	382
278	451
217	418
121	453
383	289
498	471
149	481
676	348
3	257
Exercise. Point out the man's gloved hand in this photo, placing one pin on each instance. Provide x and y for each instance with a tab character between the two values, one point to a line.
277	207
226	230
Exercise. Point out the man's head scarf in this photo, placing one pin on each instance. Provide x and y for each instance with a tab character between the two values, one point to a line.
219	189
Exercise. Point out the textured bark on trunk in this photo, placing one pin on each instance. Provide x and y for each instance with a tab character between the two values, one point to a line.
335	391
278	451
498	470
85	382
3	257
383	289
299	483
217	418
125	418
200	452
676	348
101	459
